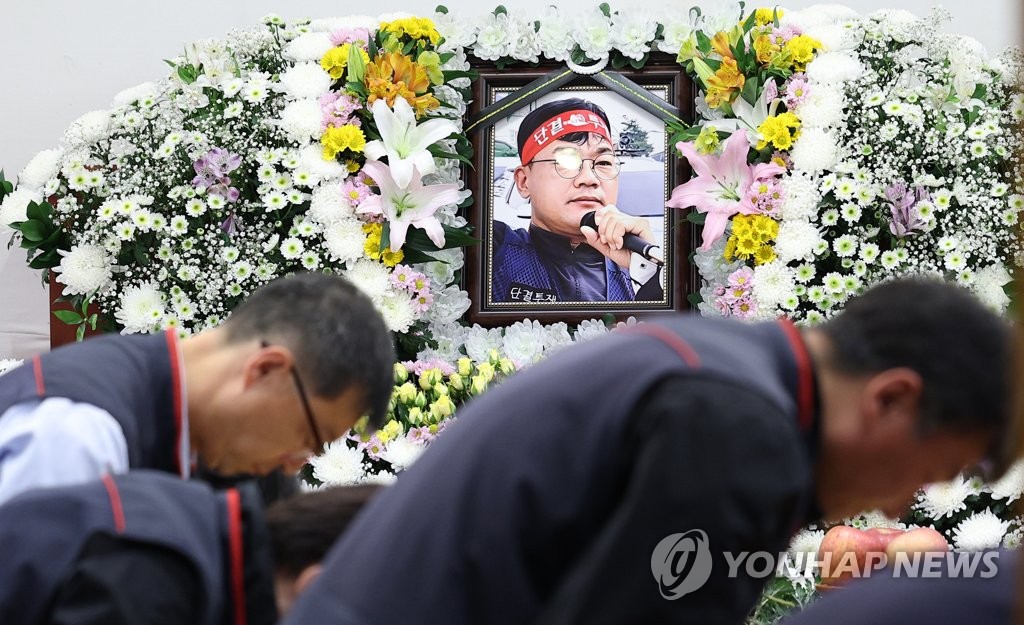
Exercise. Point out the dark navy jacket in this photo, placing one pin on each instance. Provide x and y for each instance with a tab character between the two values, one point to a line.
498	513
221	535
135	378
524	273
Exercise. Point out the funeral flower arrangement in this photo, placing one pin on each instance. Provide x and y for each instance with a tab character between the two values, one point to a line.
835	151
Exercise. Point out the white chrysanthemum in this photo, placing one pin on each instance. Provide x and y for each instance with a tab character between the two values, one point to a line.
495	36
449	305
943	498
338	465
797	240
816	150
15	205
87	129
524	342
480	341
555	35
330	204
383	478
311	159
302	120
40	169
632	32
590	329
801	197
84	269
593	33
397	310
136	93
834	37
806	543
1014	539
370	277
876	518
458	30
344	239
6	364
774	283
988	286
980	531
349	22
823	107
306	80
677	30
402	453
1011	485
142	307
308	47
833	68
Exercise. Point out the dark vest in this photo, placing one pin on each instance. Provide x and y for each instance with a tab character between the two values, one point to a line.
562	426
520	274
135	378
220	533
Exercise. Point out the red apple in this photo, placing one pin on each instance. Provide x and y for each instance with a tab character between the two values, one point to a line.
847	552
885	534
918	540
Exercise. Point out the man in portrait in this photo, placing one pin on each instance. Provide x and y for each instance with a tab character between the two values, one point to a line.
568	169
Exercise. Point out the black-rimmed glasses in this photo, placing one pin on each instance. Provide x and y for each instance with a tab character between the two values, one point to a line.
306	407
569	163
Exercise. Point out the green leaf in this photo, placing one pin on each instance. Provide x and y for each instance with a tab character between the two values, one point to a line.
605	9
93	318
703	43
80	333
696	218
32	230
442	9
69	317
40	211
749	92
48	260
416	256
452	74
356	69
500	10
694	299
437	152
187	74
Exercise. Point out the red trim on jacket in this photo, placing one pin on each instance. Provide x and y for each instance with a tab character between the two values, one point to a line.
115	503
237	557
670	338
805	374
172	350
37	368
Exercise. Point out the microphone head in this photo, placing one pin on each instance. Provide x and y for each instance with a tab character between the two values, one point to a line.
588	220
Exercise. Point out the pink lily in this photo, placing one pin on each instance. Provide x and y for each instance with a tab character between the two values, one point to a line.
412	205
720	185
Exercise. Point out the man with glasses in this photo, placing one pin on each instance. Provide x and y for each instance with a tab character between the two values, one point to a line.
569	169
294	365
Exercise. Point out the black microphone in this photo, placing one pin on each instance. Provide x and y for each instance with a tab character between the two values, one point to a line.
630	241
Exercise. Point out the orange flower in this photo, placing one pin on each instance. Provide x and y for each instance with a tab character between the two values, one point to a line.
726	82
392	75
720	44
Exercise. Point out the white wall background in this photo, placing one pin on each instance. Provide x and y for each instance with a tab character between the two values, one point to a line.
62	58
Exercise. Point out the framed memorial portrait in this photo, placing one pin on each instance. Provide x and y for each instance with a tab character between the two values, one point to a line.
553	149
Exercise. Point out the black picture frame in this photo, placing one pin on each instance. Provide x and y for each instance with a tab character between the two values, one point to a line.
661	73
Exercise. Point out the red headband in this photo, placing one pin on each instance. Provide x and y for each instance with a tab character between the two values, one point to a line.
578	120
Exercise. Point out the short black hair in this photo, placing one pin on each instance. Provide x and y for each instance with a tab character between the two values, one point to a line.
304	527
544	112
338	337
960	348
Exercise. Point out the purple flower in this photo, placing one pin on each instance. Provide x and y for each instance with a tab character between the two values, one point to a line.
212	171
339	109
232	224
903	205
771	91
358	36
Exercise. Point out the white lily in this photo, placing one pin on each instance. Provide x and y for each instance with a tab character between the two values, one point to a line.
750	117
404	141
407	205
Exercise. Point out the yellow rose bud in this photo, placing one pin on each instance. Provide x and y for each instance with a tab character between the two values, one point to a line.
421	399
444	406
440	390
478	385
486	371
455	382
426	382
415	415
506	366
401	373
407	393
465	367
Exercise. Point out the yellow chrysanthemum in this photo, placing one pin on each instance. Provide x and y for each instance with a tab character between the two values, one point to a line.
336	60
390	259
730	248
801	50
765	16
339	139
764	254
779	131
415	27
746	246
352	166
